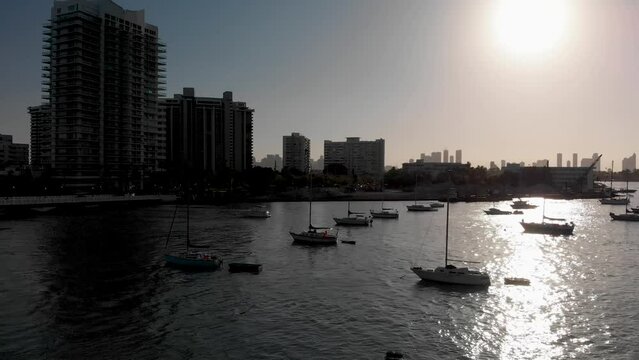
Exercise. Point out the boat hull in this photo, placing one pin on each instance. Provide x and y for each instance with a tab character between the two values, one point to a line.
420	208
548	228
314	238
614	201
351	221
625	217
385	214
459	276
193	261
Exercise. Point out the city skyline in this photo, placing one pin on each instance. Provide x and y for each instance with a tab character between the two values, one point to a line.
446	78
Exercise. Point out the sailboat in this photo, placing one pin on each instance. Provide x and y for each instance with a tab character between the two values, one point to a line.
451	274
190	259
314	235
419	207
385	213
549	228
354	218
630	215
613	200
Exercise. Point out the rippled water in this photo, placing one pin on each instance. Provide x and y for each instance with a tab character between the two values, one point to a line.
94	285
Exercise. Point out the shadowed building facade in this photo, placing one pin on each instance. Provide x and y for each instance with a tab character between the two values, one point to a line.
297	152
210	134
103	70
359	157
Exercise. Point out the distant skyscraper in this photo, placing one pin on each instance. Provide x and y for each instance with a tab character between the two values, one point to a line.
451	159
458	156
436	156
503	164
629	163
297	152
210	134
360	157
445	156
559	160
568	163
103	70
493	166
574	160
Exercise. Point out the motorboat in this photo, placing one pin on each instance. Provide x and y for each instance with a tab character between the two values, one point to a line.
614	201
495	211
516	281
522	204
436	205
450	274
354	218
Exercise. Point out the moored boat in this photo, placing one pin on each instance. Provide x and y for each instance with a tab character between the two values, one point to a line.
495	211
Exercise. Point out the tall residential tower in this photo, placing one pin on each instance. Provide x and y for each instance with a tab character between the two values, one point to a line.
103	69
297	152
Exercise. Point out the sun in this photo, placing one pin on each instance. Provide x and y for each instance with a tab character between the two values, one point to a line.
530	27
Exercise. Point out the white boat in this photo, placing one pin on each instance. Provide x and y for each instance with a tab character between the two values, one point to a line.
450	274
354	218
257	212
314	235
495	211
385	213
549	228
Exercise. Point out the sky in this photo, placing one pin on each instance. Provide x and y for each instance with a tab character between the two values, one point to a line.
518	80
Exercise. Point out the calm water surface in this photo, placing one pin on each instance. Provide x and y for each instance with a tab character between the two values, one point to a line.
94	285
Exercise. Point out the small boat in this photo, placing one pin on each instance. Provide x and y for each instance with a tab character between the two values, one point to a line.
522	204
625	217
420	207
354	218
314	235
352	242
612	200
635	210
245	267
549	228
385	213
436	205
516	281
451	274
495	211
518	212
190	259
258	212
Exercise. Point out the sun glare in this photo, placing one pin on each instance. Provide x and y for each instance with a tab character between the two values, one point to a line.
530	27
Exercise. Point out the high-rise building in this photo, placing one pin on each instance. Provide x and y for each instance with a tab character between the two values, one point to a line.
559	160
209	134
272	161
40	136
103	70
12	153
568	163
451	159
574	160
297	152
445	156
629	163
458	156
436	156
360	157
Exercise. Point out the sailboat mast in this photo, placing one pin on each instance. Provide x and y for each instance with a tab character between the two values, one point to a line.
188	216
310	198
447	216
543	211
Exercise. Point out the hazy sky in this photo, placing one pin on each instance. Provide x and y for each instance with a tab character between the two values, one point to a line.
499	80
